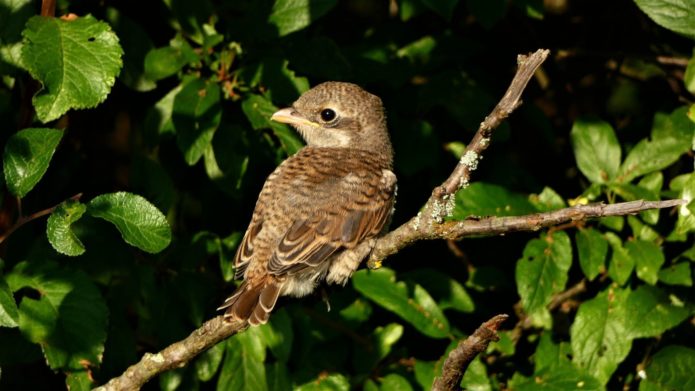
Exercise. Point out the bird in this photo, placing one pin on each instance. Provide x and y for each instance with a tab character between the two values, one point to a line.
319	213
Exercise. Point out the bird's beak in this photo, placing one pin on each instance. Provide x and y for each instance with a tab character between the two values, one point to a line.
290	116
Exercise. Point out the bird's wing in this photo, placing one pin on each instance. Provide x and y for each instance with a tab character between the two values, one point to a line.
362	213
245	251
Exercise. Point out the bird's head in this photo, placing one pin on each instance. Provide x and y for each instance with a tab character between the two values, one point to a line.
341	115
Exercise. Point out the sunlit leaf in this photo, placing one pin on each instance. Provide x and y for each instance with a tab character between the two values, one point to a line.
140	223
76	61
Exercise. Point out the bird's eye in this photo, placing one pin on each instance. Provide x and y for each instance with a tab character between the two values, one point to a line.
327	115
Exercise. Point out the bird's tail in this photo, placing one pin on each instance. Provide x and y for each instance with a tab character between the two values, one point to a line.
252	303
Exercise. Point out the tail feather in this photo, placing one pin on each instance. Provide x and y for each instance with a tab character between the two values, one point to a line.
252	303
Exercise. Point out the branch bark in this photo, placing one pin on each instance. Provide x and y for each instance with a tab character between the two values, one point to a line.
459	359
175	355
427	225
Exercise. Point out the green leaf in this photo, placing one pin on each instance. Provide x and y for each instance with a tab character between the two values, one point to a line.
671	368
289	16
77	62
444	8
563	378
425	373
196	114
140	223
650	312
58	229
689	76
448	292
258	111
596	149
79	381
621	263
27	156
331	382
421	311
476	377
161	63
395	382
651	155
648	259
541	272
9	314
207	364
599	338
686	216
592	248
278	335
68	320
548	200
243	368
278	376
484	199
675	15
549	354
677	274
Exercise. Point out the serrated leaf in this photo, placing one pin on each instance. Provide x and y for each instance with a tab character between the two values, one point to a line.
671	368
599	338
648	259
243	368
289	16
592	248
650	312
9	314
677	274
196	114
448	292
140	223
27	156
596	149
207	364
258	111
621	264
381	287
651	155
77	62
541	272
484	199
58	229
68	320
675	15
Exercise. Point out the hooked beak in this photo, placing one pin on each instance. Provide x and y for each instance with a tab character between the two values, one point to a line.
290	116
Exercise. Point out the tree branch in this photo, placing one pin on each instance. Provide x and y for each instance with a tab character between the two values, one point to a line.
175	355
428	224
459	359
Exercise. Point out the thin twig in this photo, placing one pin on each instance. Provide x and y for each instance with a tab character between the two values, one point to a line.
21	220
175	355
458	360
48	8
414	230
